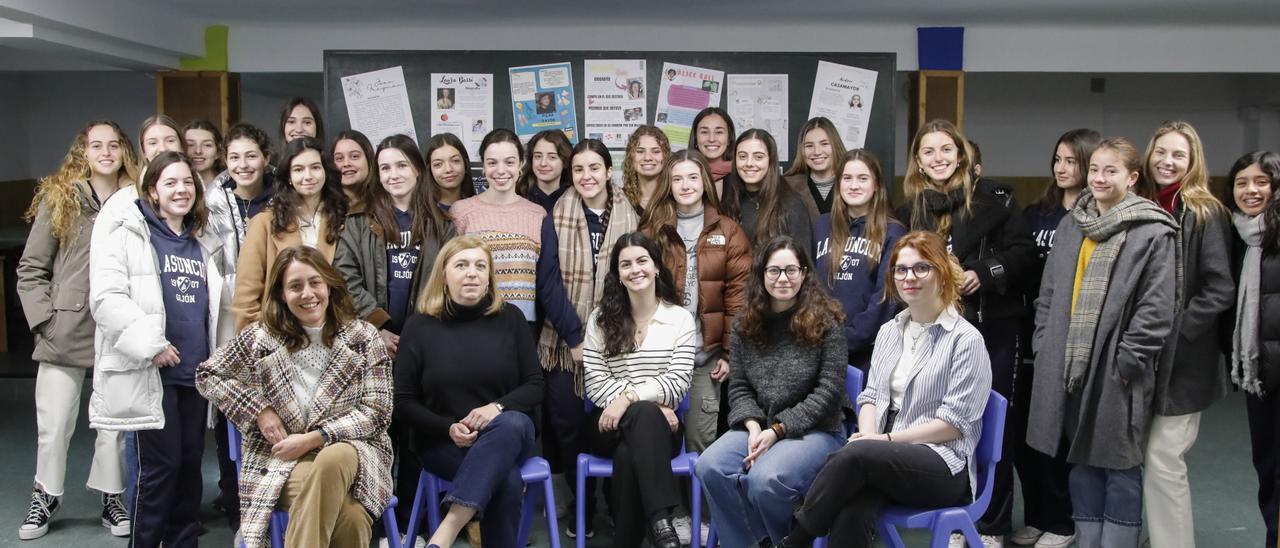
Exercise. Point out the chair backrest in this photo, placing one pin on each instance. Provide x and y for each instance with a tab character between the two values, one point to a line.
853	383
989	451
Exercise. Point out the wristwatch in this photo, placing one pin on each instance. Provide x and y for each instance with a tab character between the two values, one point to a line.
500	407
323	435
631	396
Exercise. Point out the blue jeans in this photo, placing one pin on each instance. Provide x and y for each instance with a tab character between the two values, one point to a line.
750	505
1107	506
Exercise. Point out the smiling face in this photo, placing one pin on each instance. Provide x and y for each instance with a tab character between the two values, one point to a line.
590	175
351	162
306	294
202	148
447	167
466	276
1170	159
1109	179
300	123
1066	167
547	163
306	173
783	277
1251	190
502	166
687	186
648	157
713	136
818	152
398	177
938	157
857	187
913	289
246	162
174	192
103	150
752	161
160	138
636	270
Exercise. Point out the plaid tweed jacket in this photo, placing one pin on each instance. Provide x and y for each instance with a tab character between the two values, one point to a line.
352	404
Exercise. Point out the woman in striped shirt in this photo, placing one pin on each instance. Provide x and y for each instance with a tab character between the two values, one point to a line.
920	417
638	361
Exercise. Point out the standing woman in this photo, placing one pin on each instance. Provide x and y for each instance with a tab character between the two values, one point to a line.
647	152
352	154
637	360
710	256
53	285
768	208
301	118
1255	346
854	243
1106	306
981	223
310	210
786	399
246	187
158	134
467	383
1046	499
920	416
450	169
1191	377
157	295
545	176
204	147
712	134
509	224
819	155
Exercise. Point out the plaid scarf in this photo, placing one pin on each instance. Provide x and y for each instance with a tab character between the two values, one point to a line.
1109	230
583	284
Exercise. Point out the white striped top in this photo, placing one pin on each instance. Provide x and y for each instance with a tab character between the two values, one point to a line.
950	380
660	370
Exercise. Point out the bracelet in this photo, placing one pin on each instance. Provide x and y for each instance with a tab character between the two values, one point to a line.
889	435
324	436
778	430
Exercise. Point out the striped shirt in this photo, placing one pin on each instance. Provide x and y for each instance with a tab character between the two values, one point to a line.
660	370
950	380
514	234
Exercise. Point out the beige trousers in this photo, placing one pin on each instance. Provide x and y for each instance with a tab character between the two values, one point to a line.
1166	492
57	408
322	511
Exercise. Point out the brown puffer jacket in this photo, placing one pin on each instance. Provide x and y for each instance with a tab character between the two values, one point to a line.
724	265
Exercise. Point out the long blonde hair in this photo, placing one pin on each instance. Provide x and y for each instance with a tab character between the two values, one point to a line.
435	300
916	182
58	192
801	164
1194	190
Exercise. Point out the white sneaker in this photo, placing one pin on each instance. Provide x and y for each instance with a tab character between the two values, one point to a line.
684	529
1026	536
988	541
420	543
1054	540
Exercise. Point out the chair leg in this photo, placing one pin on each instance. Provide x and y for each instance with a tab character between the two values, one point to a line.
579	504
695	527
279	522
889	535
415	510
820	542
952	521
526	513
433	508
390	526
549	500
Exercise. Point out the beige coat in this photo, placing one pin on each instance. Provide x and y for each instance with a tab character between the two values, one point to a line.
257	255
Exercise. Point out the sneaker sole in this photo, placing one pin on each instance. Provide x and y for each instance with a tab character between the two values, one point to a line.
118	530
32	534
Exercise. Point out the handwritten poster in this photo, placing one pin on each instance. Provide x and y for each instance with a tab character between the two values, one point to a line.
462	105
615	97
542	98
843	94
378	103
759	101
684	91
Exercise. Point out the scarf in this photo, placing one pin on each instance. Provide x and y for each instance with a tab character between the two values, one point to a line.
583	284
941	203
1109	230
720	168
1168	197
1244	339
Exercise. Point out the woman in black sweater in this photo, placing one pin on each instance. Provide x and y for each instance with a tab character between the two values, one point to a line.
467	381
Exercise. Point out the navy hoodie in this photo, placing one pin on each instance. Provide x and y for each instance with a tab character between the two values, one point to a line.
402	262
1043	224
185	289
858	287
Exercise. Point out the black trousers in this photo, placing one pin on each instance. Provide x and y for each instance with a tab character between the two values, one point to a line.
564	432
1002	340
1264	421
862	477
228	483
643	485
167	509
1046	499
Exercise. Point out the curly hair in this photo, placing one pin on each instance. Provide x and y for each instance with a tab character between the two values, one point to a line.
281	323
58	192
286	202
816	311
630	177
614	311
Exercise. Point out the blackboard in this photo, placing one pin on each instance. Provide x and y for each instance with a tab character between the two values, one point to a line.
801	68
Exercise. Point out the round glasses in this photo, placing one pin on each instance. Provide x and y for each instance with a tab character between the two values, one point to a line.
921	270
792	272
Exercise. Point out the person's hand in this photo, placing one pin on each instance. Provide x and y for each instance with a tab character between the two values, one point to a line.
859	436
167	357
479	418
294	446
391	341
672	420
613	413
271	426
753	432
462	435
763	442
721	371
576	354
971	283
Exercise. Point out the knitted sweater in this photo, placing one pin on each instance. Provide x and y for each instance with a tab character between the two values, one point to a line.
514	234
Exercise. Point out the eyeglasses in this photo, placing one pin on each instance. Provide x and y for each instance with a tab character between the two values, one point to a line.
921	270
792	272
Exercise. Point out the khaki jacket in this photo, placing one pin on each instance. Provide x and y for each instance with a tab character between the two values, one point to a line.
257	255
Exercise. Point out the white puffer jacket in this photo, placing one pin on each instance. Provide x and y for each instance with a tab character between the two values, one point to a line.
128	306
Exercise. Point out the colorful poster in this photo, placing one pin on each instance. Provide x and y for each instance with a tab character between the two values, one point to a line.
684	91
843	94
463	106
378	103
542	98
614	92
759	101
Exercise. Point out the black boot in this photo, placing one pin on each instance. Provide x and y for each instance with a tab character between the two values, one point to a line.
663	533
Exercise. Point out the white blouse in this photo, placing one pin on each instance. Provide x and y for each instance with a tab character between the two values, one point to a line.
659	370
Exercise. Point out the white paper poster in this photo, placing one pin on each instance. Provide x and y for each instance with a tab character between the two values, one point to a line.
684	91
759	101
463	106
378	104
843	94
615	100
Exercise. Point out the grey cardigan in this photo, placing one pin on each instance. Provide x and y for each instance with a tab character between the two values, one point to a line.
1107	422
785	381
361	257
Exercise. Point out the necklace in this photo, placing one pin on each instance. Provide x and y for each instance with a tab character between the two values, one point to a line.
916	331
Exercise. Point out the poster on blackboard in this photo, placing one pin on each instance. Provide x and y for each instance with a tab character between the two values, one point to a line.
463	106
759	101
378	103
684	91
542	99
844	94
615	99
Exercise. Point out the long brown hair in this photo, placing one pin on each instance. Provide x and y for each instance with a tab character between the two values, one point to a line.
771	220
528	180
841	217
1081	141
281	323
58	192
933	249
1194	190
467	185
286	202
662	212
630	177
219	163
816	310
916	182
198	217
428	221
614	316
801	164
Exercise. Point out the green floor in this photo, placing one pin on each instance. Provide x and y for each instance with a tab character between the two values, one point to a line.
1222	480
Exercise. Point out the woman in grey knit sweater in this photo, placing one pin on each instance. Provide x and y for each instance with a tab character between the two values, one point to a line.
786	398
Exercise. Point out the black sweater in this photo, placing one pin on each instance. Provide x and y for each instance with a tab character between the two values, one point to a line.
447	367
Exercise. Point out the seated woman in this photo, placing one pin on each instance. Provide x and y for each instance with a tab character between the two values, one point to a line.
467	383
309	386
637	363
920	416
786	398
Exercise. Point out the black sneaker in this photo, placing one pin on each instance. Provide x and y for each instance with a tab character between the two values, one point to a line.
114	515
43	507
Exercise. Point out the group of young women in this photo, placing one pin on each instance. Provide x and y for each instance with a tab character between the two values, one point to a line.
356	310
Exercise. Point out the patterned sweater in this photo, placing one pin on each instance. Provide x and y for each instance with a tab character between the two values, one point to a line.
514	234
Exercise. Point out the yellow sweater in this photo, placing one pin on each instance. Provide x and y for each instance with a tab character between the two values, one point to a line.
1086	252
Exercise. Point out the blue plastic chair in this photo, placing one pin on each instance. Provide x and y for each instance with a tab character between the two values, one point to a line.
536	473
280	518
599	467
